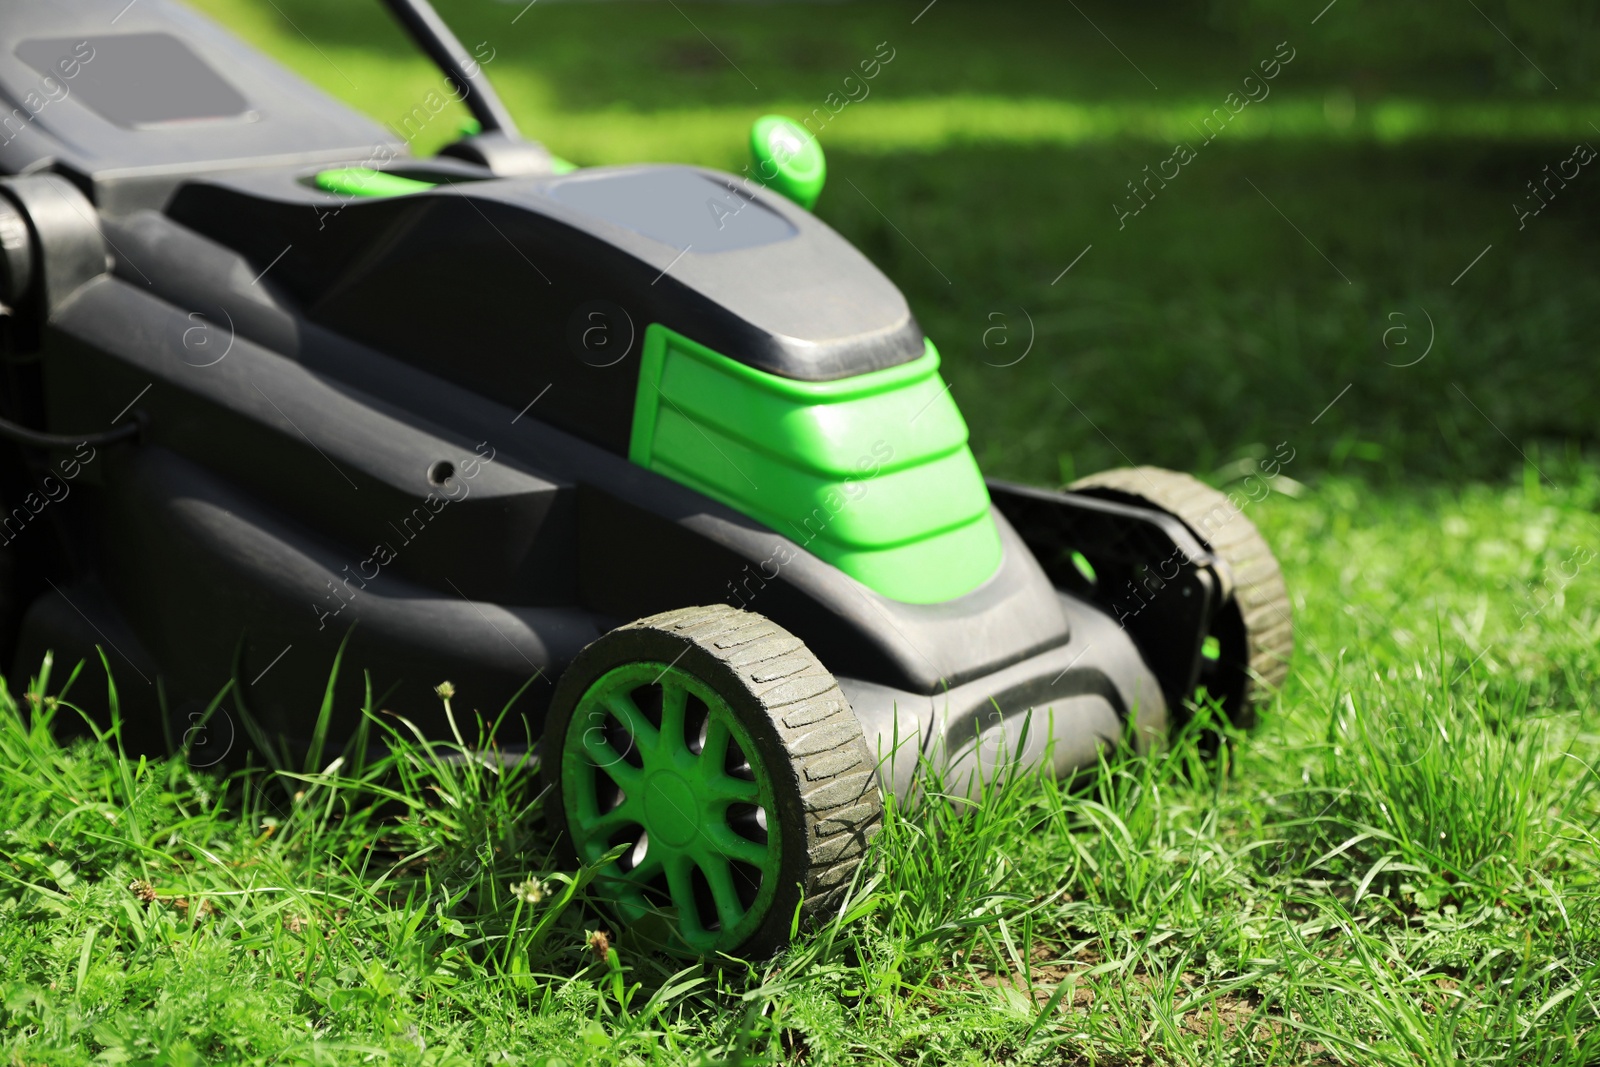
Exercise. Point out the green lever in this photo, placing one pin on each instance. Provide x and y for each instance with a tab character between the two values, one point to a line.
364	181
788	159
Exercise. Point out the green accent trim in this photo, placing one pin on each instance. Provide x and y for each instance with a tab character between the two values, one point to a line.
1211	647
647	398
786	158
871	473
363	181
680	792
562	166
1085	568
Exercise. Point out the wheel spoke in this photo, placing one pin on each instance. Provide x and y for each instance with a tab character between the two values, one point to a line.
610	822
719	876
680	883
674	699
609	761
726	843
645	736
724	786
715	750
714	777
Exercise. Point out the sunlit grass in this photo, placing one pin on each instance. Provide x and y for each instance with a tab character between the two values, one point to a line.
532	73
712	136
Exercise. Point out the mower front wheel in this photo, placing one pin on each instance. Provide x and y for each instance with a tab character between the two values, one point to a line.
1252	636
717	748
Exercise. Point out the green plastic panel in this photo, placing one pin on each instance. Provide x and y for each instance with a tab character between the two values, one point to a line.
871	473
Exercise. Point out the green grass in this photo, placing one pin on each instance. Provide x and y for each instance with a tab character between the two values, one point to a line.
1397	867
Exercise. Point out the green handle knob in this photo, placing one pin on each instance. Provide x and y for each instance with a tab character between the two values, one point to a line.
788	159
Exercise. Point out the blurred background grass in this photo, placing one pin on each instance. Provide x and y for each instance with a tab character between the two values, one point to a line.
991	150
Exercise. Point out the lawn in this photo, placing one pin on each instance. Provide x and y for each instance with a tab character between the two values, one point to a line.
1398	866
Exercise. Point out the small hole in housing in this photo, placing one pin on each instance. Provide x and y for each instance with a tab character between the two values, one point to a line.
441	472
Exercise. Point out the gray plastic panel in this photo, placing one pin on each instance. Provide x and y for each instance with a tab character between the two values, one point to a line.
682	208
830	312
136	79
119	133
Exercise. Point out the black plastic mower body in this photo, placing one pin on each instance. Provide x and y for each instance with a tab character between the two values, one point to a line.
382	422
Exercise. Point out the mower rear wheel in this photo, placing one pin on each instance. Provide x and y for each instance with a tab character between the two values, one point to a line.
1254	632
714	745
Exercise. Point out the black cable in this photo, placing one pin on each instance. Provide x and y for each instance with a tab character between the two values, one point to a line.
433	36
34	439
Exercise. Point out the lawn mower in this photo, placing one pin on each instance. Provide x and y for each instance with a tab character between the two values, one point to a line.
649	453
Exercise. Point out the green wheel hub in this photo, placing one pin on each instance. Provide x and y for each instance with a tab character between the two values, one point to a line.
656	757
